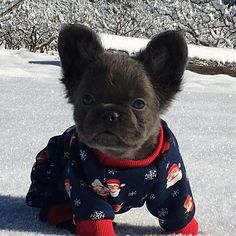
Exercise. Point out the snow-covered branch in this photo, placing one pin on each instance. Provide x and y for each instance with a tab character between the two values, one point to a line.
9	6
30	23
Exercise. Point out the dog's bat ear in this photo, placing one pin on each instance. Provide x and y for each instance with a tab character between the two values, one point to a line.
78	46
165	59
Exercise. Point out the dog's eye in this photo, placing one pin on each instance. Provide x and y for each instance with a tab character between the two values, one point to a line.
88	99
138	104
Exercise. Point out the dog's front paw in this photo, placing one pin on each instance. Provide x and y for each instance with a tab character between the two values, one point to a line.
190	229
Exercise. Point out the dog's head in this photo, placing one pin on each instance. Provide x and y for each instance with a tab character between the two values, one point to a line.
118	99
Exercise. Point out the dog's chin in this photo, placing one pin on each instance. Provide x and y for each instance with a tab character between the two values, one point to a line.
110	144
106	139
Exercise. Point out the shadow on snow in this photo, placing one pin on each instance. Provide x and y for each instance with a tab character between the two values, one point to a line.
17	216
53	63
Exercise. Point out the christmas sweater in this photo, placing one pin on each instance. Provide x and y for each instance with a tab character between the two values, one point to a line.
71	180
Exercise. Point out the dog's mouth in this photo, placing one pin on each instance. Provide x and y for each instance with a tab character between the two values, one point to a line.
110	140
107	138
110	143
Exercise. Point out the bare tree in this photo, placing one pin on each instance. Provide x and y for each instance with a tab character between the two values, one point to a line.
202	22
9	6
34	24
128	18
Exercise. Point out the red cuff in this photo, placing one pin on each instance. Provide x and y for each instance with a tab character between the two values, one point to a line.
191	228
59	213
94	227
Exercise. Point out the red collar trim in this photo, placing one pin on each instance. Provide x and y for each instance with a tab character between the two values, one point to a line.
110	161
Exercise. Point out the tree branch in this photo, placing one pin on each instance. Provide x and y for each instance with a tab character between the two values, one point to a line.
11	7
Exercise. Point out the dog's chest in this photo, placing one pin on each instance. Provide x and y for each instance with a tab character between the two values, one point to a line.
122	188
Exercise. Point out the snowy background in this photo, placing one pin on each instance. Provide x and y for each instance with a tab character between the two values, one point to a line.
34	24
33	109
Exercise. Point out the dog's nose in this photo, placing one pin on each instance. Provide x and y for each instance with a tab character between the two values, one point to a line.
110	116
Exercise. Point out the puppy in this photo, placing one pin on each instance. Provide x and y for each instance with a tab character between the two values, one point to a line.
120	154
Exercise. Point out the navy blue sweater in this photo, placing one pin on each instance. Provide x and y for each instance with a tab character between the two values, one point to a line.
68	171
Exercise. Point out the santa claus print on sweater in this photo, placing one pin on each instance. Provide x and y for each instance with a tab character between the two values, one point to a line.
99	188
114	186
174	175
96	187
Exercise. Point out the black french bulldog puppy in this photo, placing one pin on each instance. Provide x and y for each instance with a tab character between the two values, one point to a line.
120	154
118	99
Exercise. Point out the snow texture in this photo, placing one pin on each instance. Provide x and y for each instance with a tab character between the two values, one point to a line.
133	45
33	109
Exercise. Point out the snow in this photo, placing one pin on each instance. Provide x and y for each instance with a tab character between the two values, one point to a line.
129	44
133	45
33	109
209	53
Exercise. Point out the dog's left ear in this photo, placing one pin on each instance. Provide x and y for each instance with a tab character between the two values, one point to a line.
78	47
165	59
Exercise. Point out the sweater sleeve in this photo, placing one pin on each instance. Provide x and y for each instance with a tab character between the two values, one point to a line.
171	200
86	204
190	229
47	187
95	227
91	213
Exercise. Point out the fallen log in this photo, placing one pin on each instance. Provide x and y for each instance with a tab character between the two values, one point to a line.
211	67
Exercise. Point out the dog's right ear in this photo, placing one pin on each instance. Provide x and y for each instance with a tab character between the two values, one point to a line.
78	46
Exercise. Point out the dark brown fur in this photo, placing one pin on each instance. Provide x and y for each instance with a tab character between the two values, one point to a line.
111	124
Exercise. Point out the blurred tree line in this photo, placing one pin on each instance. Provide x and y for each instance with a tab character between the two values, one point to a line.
34	24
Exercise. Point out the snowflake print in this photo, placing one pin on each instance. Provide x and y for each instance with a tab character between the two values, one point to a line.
163	212
151	175
152	196
77	202
131	194
175	193
112	171
82	183
83	155
66	154
97	215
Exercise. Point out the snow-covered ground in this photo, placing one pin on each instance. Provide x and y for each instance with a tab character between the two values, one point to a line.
132	45
33	108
